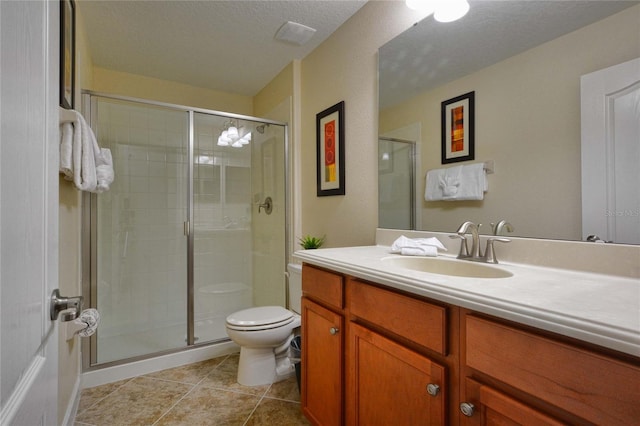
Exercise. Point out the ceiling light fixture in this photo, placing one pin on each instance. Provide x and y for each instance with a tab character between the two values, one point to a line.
234	136
443	10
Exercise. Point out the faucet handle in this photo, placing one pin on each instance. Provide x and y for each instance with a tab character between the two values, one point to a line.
464	250
489	252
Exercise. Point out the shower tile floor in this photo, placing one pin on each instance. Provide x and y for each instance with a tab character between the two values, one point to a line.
203	393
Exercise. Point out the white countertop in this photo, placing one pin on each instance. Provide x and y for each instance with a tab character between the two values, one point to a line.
597	308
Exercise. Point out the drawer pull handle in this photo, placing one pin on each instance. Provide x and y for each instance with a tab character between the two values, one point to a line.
467	409
334	330
433	389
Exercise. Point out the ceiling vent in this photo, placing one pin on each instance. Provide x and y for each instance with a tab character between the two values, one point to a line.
295	33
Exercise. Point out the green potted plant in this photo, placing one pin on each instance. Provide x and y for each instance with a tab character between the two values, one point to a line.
308	242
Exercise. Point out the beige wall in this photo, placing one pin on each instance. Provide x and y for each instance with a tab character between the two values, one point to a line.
138	86
273	94
531	131
344	68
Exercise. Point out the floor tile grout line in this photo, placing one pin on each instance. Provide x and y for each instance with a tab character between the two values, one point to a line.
193	387
213	369
174	405
257	405
199	384
282	399
106	396
225	389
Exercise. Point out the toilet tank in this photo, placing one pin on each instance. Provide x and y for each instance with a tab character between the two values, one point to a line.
295	286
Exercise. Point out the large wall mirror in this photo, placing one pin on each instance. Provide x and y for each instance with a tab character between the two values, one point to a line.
524	60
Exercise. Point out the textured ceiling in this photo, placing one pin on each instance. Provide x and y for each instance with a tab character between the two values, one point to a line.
220	45
431	53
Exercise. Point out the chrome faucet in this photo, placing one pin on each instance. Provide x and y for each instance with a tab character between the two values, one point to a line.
503	224
476	255
470	227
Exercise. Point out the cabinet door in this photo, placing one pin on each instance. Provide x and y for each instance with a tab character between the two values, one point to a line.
322	355
388	384
486	406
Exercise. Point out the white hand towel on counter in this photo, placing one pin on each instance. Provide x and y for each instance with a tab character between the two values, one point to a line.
417	246
467	182
81	159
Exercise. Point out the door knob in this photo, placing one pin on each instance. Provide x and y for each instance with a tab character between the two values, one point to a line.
334	330
59	303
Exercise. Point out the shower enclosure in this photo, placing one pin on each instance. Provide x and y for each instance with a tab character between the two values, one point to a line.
396	189
192	229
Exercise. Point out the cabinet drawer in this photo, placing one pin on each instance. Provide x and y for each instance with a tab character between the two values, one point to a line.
599	389
323	286
416	320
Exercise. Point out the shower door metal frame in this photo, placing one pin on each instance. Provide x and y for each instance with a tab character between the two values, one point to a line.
89	223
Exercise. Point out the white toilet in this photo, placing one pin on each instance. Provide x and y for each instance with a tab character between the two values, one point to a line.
264	335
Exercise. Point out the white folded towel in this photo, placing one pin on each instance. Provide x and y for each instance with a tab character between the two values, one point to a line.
81	159
89	319
417	246
430	251
467	182
104	170
66	150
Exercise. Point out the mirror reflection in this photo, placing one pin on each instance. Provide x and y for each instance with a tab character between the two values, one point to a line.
525	61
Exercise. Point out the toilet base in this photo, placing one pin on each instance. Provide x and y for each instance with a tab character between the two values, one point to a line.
259	366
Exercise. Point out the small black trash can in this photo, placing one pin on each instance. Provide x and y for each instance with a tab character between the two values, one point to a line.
296	351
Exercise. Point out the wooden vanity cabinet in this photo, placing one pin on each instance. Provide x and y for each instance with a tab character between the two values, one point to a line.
395	358
322	396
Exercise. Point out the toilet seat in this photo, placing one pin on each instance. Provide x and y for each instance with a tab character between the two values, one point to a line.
261	318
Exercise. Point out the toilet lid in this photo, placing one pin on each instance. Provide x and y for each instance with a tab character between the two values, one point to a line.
259	317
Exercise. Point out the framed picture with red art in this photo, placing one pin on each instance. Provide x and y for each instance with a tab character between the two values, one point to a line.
458	128
330	150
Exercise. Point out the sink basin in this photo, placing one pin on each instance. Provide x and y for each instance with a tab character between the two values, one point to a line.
456	268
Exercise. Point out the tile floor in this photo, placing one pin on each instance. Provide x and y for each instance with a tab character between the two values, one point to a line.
204	393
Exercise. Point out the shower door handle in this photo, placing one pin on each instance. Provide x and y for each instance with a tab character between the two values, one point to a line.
267	205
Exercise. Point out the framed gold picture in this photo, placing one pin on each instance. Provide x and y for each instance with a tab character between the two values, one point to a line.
458	128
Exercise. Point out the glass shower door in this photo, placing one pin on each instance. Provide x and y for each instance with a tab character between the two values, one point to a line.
139	270
396	200
238	246
221	226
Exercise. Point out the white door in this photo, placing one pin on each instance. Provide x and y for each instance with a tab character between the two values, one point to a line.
611	153
28	211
